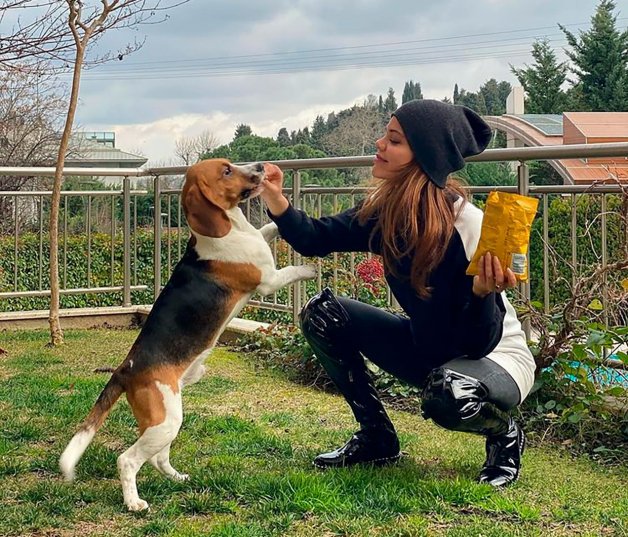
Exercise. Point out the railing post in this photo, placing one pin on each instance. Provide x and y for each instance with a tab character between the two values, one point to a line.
126	258
523	187
296	288
157	234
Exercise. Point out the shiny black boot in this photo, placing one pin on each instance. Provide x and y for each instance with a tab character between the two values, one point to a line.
458	402
325	325
364	447
503	457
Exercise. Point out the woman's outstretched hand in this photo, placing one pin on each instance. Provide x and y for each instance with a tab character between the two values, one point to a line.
272	193
491	277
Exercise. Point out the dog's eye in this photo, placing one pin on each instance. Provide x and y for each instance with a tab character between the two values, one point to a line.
228	171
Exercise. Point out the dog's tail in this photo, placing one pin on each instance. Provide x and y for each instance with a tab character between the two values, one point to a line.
77	446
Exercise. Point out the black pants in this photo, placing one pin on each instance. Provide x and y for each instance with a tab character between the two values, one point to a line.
386	340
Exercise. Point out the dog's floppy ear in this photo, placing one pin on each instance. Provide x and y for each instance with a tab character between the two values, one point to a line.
203	215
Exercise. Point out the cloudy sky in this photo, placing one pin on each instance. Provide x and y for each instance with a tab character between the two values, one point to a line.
279	63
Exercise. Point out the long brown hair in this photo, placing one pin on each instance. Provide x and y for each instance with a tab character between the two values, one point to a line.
415	218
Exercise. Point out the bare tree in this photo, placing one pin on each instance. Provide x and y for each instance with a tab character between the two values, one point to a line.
61	31
32	107
191	149
356	132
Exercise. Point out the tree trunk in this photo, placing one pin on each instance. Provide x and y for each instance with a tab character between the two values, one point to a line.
56	333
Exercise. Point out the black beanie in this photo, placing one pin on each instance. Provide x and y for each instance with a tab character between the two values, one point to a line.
441	135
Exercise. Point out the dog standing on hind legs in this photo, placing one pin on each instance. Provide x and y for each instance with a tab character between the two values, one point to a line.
225	262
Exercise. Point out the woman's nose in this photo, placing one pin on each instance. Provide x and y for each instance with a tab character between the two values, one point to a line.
379	144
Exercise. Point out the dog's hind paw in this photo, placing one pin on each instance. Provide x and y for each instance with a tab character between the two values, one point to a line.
180	477
137	505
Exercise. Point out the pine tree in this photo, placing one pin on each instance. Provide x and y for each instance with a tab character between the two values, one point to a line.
456	94
390	104
411	90
303	136
495	94
475	101
600	58
242	130
542	80
283	138
319	130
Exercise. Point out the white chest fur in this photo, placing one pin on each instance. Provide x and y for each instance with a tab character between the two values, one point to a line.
243	244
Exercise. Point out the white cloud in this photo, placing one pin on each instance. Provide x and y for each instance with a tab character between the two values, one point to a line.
149	113
156	140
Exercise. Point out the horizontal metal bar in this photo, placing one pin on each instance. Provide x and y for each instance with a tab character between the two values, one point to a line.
83	172
77	291
595	188
550	152
71	192
270	306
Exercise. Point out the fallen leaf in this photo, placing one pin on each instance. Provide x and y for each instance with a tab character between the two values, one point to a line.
595	305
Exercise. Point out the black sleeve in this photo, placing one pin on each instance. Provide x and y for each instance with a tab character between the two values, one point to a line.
321	236
482	321
479	321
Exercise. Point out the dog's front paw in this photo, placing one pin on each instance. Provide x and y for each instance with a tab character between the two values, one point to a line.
269	231
307	272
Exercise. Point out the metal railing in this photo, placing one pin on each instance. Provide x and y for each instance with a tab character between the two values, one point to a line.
117	215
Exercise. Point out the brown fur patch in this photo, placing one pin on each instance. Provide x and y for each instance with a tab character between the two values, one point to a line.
241	277
145	398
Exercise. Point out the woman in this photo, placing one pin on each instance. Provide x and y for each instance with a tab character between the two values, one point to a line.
459	339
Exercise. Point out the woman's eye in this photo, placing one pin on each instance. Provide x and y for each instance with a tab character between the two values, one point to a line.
228	171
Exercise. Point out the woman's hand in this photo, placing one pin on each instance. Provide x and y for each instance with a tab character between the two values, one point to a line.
272	193
491	277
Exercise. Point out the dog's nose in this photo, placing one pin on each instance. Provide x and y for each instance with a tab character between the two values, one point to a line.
259	167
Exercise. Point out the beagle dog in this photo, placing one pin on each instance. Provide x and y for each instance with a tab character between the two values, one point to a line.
225	262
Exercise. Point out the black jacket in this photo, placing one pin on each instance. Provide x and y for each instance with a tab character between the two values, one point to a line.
451	323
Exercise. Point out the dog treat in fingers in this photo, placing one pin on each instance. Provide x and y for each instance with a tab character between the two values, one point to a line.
506	232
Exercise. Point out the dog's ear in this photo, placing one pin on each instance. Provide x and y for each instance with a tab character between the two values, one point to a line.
203	215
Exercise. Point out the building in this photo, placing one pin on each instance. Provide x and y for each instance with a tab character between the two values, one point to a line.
98	150
568	128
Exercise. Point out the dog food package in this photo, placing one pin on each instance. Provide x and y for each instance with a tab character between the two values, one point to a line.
506	232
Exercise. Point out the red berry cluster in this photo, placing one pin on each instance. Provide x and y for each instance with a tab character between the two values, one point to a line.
371	272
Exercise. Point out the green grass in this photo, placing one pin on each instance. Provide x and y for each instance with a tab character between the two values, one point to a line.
247	441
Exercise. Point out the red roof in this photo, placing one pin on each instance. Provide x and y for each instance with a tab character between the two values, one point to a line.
578	127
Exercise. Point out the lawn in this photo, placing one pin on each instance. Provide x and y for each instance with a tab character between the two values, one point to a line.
247	441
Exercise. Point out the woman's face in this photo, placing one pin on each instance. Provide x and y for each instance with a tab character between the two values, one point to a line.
393	152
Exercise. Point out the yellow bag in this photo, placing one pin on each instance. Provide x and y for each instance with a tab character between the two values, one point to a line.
506	232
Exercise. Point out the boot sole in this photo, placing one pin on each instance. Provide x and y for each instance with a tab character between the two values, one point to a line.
385	461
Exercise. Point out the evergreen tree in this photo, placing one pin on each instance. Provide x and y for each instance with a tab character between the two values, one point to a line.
475	101
456	94
283	138
600	58
303	136
411	90
542	81
242	130
494	95
380	105
319	130
390	104
332	121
